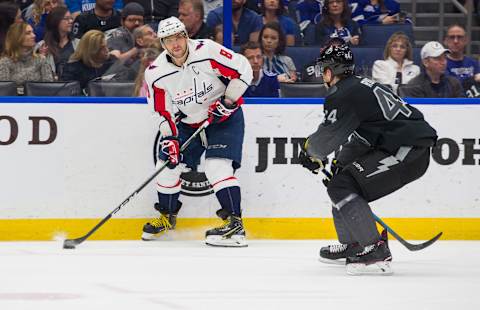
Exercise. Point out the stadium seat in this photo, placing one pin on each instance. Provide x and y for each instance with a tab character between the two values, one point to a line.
377	35
364	59
309	35
52	89
302	90
110	89
8	88
302	56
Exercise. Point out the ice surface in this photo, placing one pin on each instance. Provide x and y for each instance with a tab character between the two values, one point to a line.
266	275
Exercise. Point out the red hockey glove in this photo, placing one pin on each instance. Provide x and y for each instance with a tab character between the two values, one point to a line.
220	110
171	148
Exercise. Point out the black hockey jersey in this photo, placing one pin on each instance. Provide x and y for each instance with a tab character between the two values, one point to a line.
372	112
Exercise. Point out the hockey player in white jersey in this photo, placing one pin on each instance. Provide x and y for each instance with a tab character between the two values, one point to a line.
202	80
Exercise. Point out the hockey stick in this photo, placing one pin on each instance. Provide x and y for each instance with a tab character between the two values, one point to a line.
72	243
410	246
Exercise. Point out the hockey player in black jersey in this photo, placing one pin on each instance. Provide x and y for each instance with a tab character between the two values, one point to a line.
382	143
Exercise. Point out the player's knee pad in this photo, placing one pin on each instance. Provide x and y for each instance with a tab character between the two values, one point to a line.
168	181
219	172
341	186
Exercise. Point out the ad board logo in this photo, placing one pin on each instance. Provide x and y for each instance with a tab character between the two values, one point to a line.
194	183
285	150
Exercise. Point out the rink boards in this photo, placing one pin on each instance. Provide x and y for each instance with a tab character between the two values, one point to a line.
67	162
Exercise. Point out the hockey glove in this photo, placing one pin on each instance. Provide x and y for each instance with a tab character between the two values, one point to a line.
171	148
312	164
220	110
334	168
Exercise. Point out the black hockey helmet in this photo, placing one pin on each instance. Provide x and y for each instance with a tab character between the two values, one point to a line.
337	57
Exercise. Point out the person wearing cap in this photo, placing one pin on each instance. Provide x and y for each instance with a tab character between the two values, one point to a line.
433	82
102	17
204	81
120	40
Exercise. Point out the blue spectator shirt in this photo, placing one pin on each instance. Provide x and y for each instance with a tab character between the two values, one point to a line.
363	12
324	33
266	86
309	10
87	5
463	69
249	22
288	25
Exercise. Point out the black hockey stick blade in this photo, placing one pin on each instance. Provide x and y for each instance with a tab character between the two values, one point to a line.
410	246
420	246
72	243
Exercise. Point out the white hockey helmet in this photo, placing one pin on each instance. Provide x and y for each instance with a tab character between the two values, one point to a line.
170	26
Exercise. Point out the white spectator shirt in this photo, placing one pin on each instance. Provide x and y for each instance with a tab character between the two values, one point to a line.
385	71
193	87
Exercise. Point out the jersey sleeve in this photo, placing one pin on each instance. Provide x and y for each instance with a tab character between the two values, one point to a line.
160	100
230	65
339	123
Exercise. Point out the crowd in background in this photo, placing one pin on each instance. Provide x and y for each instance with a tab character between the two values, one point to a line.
88	40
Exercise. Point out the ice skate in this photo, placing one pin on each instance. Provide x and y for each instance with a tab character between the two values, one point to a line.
230	234
157	228
337	253
375	259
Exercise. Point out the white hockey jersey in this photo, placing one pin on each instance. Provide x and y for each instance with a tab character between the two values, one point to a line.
193	87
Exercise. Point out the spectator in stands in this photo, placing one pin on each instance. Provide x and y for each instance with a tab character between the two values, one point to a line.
464	68
120	40
150	54
273	11
376	12
156	10
336	22
218	34
40	11
433	83
190	12
103	17
264	83
19	62
397	67
58	44
144	36
90	60
10	14
272	42
246	23
309	10
79	6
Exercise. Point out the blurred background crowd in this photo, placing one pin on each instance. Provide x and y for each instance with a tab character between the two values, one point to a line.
419	48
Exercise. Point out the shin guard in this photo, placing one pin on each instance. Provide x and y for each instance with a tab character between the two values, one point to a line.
357	216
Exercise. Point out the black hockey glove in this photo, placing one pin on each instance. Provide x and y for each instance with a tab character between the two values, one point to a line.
334	169
312	164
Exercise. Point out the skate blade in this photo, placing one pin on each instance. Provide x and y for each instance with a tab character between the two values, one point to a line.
161	236
382	268
236	241
339	262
